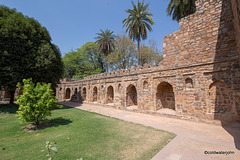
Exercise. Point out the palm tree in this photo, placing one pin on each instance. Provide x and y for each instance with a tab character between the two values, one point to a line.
181	8
138	22
105	41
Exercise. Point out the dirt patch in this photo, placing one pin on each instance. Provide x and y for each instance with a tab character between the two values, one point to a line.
42	125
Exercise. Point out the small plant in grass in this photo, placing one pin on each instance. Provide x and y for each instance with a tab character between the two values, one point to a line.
36	102
51	149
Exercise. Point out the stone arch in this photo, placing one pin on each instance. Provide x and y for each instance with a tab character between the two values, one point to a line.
219	98
131	96
119	87
165	96
7	94
95	94
68	93
110	94
84	94
188	83
75	91
54	92
145	85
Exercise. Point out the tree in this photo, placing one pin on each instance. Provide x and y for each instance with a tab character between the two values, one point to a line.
94	55
150	53
83	62
36	102
123	55
26	51
138	22
105	41
181	8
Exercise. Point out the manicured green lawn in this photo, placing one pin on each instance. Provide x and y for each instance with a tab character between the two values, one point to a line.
92	136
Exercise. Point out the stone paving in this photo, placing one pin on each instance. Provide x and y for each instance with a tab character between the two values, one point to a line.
193	139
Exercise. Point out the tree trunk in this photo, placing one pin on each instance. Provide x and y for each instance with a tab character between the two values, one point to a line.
11	97
138	53
106	67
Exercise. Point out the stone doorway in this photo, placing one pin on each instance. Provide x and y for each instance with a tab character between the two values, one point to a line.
110	94
84	94
165	96
131	97
95	94
7	94
219	99
68	92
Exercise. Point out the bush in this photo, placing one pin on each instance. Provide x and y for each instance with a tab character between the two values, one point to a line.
36	102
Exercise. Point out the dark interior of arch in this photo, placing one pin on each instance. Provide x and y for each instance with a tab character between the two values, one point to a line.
131	95
165	96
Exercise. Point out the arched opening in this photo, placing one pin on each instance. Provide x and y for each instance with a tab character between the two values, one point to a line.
55	92
68	92
7	94
145	85
188	83
119	87
219	99
84	94
165	96
131	95
95	94
75	91
110	94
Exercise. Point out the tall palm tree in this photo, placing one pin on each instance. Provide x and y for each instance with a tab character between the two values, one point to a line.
105	41
181	8
138	22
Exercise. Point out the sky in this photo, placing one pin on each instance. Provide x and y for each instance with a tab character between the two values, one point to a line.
72	23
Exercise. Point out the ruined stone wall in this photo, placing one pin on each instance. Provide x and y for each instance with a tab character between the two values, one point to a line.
199	77
198	39
236	14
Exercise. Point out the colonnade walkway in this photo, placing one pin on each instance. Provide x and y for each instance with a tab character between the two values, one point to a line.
194	141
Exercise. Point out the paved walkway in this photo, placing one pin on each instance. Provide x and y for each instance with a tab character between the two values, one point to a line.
193	139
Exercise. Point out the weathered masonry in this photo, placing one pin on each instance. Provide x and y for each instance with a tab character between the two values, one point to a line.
199	77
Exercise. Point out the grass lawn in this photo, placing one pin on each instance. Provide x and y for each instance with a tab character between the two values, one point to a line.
92	136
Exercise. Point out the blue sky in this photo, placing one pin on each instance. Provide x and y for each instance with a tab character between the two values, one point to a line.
72	23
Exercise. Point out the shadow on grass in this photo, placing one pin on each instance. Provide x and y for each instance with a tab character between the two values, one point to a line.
8	108
48	124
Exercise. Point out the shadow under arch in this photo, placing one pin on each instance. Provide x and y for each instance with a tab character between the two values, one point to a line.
95	94
131	95
110	94
165	96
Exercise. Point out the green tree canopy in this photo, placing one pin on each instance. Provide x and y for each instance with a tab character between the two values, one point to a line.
26	51
94	55
105	41
124	53
83	62
150	53
138	22
181	8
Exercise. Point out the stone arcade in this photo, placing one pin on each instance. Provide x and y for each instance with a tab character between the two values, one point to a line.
198	79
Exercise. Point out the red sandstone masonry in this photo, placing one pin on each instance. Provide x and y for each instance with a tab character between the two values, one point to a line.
201	35
236	13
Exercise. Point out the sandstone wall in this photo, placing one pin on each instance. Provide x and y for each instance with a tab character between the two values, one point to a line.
236	13
199	77
201	35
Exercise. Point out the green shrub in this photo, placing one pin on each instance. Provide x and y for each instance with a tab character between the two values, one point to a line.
36	102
